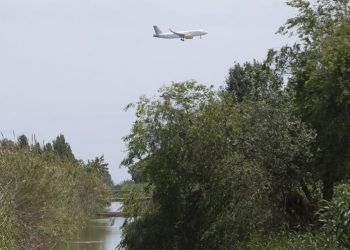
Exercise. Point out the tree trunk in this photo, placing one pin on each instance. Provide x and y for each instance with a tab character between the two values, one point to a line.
328	184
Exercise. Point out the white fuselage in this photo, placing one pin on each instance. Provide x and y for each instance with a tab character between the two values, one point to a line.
187	34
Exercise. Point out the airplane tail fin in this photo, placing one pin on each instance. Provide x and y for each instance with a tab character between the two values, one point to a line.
157	30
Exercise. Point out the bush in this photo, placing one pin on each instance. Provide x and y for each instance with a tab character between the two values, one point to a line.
336	216
295	241
43	201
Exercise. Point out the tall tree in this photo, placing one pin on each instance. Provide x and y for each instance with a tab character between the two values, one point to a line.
320	67
22	142
62	148
182	139
99	167
254	80
210	161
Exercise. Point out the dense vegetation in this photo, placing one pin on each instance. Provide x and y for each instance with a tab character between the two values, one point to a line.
46	194
262	163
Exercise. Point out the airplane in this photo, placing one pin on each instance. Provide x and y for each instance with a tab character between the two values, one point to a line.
189	34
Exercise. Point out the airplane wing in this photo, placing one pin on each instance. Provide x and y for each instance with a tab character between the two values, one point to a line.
182	35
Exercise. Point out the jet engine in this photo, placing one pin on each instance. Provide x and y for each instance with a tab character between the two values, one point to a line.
188	36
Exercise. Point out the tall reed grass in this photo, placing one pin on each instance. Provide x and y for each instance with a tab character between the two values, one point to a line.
45	198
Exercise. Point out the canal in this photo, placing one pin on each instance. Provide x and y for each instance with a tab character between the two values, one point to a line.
99	234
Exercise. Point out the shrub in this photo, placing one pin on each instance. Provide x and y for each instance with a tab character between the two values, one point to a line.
44	199
336	216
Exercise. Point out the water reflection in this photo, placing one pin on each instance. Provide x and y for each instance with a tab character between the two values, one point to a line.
100	234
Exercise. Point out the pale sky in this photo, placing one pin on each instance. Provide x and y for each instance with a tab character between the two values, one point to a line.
71	66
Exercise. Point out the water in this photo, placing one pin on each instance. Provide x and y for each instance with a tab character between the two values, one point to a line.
99	234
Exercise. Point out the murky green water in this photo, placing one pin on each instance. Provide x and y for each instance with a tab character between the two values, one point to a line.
100	234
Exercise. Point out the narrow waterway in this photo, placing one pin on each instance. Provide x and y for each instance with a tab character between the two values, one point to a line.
99	234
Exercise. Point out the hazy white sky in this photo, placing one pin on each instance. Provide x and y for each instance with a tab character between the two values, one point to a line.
71	66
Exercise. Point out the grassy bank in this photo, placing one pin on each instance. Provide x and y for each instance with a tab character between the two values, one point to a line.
45	196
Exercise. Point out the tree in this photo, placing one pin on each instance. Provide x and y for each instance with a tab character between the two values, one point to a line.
62	148
315	22
320	68
182	140
273	136
22	142
210	161
100	168
273	133
48	147
137	172
253	80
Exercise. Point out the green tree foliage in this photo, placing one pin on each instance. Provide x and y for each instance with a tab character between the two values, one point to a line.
136	197
336	216
315	21
272	136
246	167
320	68
215	166
333	234
293	240
48	147
36	148
99	167
253	81
180	137
62	148
22	142
137	172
